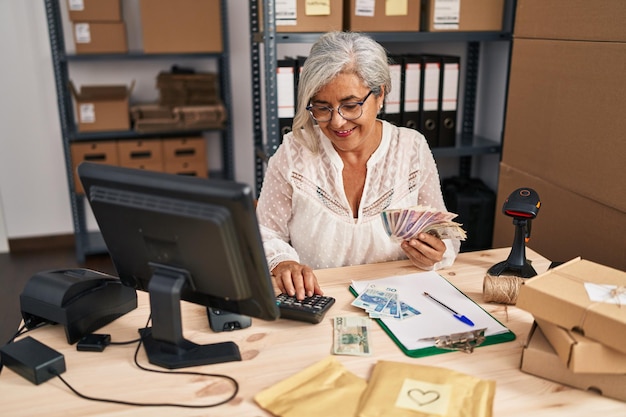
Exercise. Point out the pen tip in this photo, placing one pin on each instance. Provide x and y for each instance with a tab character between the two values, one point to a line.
425	293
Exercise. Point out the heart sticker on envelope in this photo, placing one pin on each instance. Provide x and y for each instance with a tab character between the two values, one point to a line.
425	397
422	397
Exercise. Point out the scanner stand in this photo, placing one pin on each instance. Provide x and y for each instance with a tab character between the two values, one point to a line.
516	264
164	343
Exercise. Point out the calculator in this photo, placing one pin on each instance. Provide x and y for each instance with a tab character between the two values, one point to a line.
311	309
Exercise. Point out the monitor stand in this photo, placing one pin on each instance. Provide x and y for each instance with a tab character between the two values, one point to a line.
164	342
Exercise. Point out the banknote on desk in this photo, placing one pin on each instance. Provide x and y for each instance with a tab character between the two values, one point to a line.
351	336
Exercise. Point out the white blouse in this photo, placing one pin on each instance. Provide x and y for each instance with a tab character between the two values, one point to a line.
304	214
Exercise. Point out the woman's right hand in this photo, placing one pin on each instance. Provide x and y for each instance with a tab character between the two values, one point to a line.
296	279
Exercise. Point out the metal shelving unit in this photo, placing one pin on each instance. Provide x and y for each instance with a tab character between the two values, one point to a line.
91	242
264	40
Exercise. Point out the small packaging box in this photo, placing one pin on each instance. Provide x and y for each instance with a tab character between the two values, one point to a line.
94	10
186	156
463	15
309	16
102	107
190	168
383	16
581	295
142	154
104	152
181	26
581	354
540	359
100	38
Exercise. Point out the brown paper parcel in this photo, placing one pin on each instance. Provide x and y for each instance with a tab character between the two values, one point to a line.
324	389
402	390
559	297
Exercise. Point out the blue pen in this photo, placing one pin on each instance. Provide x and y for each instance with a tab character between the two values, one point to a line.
456	315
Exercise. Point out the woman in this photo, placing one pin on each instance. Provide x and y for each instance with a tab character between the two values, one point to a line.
340	167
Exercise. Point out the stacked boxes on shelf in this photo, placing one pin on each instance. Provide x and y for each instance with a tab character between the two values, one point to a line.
187	101
181	155
98	26
579	335
389	16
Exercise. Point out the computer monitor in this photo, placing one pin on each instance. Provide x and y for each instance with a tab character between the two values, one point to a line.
182	238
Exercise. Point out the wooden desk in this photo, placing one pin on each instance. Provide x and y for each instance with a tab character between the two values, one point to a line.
273	351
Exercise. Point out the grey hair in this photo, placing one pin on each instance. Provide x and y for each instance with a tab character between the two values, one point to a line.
332	54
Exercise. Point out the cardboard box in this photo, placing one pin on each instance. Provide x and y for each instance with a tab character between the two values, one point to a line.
463	15
309	18
102	107
94	10
190	168
100	38
539	359
383	18
142	154
568	224
564	117
189	149
562	296
103	152
581	354
185	156
181	26
601	20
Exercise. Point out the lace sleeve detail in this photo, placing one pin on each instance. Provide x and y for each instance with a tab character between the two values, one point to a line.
274	210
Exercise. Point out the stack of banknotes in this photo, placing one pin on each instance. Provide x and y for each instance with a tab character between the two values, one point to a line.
405	224
351	333
384	302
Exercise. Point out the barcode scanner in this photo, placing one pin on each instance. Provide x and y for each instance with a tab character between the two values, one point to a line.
523	205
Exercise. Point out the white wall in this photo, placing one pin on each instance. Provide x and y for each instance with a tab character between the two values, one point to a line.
33	183
4	244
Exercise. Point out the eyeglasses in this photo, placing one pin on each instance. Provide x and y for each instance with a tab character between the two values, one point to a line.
349	111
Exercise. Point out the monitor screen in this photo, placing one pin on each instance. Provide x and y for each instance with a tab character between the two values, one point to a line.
182	238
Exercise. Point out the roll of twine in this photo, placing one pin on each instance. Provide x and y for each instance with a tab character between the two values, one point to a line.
501	289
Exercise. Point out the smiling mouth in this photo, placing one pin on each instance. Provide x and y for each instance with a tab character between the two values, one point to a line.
344	133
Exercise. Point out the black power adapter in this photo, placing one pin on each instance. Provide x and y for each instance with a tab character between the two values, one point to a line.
33	360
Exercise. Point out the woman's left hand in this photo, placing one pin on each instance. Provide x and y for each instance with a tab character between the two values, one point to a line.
424	251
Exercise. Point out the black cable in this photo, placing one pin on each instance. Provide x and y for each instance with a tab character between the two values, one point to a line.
131	403
128	342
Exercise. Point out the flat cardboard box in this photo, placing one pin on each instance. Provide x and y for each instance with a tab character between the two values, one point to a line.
102	152
181	26
539	359
100	38
94	10
581	354
189	149
383	19
102	107
469	16
564	120
190	168
142	154
561	296
601	20
568	224
310	19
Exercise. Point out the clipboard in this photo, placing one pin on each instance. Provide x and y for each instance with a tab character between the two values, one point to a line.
407	333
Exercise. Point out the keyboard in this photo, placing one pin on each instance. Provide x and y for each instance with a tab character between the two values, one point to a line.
310	310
